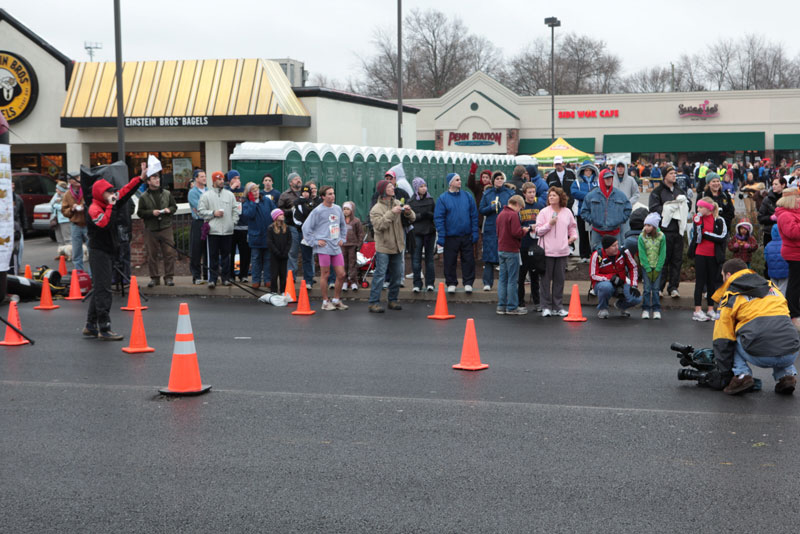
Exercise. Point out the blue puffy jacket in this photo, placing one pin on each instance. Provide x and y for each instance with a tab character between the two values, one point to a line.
776	265
605	214
257	216
582	185
455	215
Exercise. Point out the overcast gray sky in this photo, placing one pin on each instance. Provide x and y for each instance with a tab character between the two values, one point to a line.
329	36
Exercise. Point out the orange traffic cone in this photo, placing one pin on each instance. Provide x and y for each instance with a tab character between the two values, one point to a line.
138	336
13	338
575	311
441	306
62	266
133	297
470	355
303	307
46	302
74	287
184	376
290	290
28	273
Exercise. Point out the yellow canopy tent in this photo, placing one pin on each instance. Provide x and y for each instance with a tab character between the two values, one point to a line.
563	149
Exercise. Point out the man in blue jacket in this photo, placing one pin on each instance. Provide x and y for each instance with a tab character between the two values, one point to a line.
585	182
456	220
494	197
605	209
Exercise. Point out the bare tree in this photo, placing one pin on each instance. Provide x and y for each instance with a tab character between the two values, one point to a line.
652	80
689	73
718	62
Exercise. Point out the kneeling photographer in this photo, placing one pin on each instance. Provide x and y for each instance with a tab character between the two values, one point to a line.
753	328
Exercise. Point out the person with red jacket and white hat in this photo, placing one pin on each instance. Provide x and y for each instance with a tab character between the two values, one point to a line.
614	274
102	221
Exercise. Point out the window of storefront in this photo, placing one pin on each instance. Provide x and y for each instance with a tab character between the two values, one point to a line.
176	171
51	164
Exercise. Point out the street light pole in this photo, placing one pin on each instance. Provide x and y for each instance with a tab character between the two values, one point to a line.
399	73
553	22
120	110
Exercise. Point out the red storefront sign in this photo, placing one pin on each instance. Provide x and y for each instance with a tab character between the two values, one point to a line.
589	114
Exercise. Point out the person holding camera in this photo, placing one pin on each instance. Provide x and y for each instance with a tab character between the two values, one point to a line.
753	328
104	216
156	207
614	274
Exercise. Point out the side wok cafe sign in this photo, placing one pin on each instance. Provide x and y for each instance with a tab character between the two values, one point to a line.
702	112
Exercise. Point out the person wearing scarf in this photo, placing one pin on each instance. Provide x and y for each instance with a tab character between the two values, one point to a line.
257	216
424	235
73	207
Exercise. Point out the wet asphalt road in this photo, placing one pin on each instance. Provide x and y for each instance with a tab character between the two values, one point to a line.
355	422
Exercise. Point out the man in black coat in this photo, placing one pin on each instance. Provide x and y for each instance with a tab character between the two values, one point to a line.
563	178
768	205
666	191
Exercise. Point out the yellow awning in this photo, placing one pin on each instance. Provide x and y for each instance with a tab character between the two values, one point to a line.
563	149
211	92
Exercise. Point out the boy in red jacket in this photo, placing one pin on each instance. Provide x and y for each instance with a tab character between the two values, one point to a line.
614	274
509	236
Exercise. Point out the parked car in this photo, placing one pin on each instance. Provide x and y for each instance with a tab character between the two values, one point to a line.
34	189
42	213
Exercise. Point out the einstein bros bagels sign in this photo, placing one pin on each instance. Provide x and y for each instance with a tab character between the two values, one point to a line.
18	87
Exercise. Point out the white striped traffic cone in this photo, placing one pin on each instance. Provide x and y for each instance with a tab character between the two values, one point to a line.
184	376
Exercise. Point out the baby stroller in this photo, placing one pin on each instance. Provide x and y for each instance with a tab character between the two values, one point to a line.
365	260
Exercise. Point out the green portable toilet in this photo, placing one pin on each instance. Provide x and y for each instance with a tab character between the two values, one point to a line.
313	167
357	181
383	164
374	175
293	163
424	170
344	178
330	167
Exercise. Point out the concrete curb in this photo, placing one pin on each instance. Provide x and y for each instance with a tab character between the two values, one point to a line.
184	287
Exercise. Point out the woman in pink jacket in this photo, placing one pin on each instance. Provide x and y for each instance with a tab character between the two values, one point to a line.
557	230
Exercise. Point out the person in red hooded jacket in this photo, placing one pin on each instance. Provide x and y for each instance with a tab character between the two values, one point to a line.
102	221
787	215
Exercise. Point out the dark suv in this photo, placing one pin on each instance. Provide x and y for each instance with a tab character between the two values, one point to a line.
34	189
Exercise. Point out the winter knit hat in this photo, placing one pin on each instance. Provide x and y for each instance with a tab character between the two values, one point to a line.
233	174
608	240
381	187
669	168
450	178
217	175
416	183
746	224
349	204
711	175
275	214
652	219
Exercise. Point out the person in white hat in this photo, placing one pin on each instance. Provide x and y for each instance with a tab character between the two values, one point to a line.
563	178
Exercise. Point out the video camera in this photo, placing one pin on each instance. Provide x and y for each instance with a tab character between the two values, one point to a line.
702	362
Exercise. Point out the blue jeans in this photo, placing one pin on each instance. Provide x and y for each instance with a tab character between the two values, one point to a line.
291	264
605	290
507	285
308	263
80	235
488	273
387	267
780	365
650	298
259	265
427	242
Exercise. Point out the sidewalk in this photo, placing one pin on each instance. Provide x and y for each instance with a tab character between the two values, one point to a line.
184	287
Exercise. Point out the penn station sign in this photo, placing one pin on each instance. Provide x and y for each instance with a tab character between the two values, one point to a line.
19	87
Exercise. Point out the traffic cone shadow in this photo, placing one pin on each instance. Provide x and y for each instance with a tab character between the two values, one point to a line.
184	375
440	312
74	287
46	301
134	303
303	307
62	266
138	336
470	355
575	314
12	338
290	293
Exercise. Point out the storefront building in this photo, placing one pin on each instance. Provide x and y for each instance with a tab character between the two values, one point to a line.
480	115
189	113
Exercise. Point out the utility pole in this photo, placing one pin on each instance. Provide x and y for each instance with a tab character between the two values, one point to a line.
399	73
91	47
120	110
